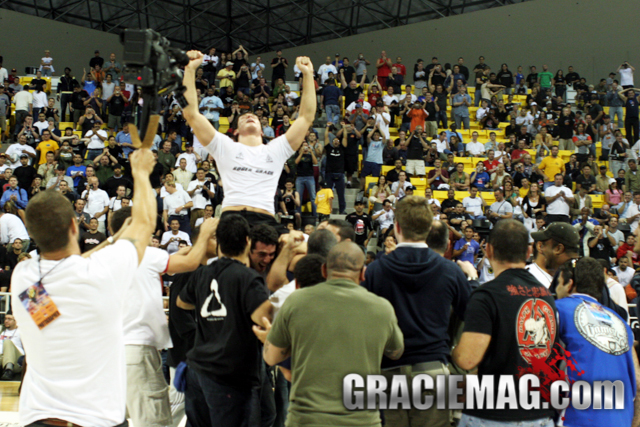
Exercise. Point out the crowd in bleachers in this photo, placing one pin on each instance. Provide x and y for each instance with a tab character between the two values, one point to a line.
481	145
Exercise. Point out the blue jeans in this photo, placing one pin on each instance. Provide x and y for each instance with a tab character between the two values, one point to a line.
337	180
441	117
478	217
309	183
333	113
461	120
617	111
209	404
93	153
471	421
547	185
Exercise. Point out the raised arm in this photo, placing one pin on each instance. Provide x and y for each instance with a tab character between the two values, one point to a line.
307	113
143	216
202	128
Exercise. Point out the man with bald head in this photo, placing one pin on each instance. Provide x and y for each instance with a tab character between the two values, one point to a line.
338	303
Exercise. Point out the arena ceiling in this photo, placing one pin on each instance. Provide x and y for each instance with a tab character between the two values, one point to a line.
259	25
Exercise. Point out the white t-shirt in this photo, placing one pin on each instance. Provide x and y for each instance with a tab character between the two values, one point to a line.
475	148
40	100
624	277
14	337
144	319
164	193
386	219
199	202
616	290
107	89
558	206
97	201
41	126
256	68
384	127
633	210
192	164
388	99
473	205
15	150
542	276
324	70
279	296
441	145
626	77
22	100
174	246
95	143
366	107
401	193
12	228
77	369
115	204
174	201
486	272
250	174
290	98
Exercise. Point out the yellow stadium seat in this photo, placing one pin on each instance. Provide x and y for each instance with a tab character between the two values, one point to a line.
597	200
440	195
369	180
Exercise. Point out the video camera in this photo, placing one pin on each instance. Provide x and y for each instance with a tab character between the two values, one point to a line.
151	63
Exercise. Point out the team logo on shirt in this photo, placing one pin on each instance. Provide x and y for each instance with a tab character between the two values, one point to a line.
535	330
604	330
213	308
240	156
269	159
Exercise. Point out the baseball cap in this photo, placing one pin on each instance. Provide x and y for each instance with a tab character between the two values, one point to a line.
412	188
229	64
3	155
13	70
560	232
23	156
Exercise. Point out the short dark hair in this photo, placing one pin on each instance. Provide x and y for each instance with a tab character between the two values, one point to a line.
320	242
587	274
49	210
231	234
308	270
345	229
414	217
263	233
438	237
119	217
510	241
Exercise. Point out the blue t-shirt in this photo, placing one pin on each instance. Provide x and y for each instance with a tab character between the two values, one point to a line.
90	86
211	102
467	255
374	152
124	137
331	95
597	337
481	180
72	170
519	77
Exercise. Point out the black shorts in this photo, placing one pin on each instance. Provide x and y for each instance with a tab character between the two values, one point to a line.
351	164
255	218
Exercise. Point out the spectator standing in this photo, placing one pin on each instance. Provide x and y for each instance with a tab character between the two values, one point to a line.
279	66
434	285
491	339
97	202
383	64
631	121
331	99
12	348
24	105
559	200
176	205
626	75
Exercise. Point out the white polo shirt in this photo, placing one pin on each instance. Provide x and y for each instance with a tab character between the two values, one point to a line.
77	369
144	320
199	202
475	148
542	276
174	201
12	228
250	173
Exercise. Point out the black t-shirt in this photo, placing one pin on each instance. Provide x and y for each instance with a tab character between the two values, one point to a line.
632	105
519	314
586	182
289	200
116	105
602	249
505	78
448	203
531	79
225	295
305	166
362	226
415	150
572	77
565	127
279	69
351	95
25	175
78	98
89	241
353	143
441	98
430	107
39	84
349	72
335	158
559	79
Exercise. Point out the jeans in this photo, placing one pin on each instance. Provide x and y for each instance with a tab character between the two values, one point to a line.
471	421
333	113
463	120
309	183
46	72
478	217
337	180
547	185
263	406
93	153
36	112
477	96
616	165
631	128
211	404
617	111
282	399
441	117
20	116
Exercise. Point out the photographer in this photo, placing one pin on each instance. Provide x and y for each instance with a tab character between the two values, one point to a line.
626	75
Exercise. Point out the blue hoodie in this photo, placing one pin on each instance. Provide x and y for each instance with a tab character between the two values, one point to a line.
422	286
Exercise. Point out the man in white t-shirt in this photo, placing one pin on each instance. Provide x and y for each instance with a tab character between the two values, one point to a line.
474	147
167	179
77	368
16	150
191	157
96	138
201	192
11	348
624	273
249	169
12	228
382	120
97	203
626	75
559	200
325	69
171	239
208	213
176	206
473	204
146	332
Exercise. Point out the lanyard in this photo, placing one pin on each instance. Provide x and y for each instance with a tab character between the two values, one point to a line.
45	275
